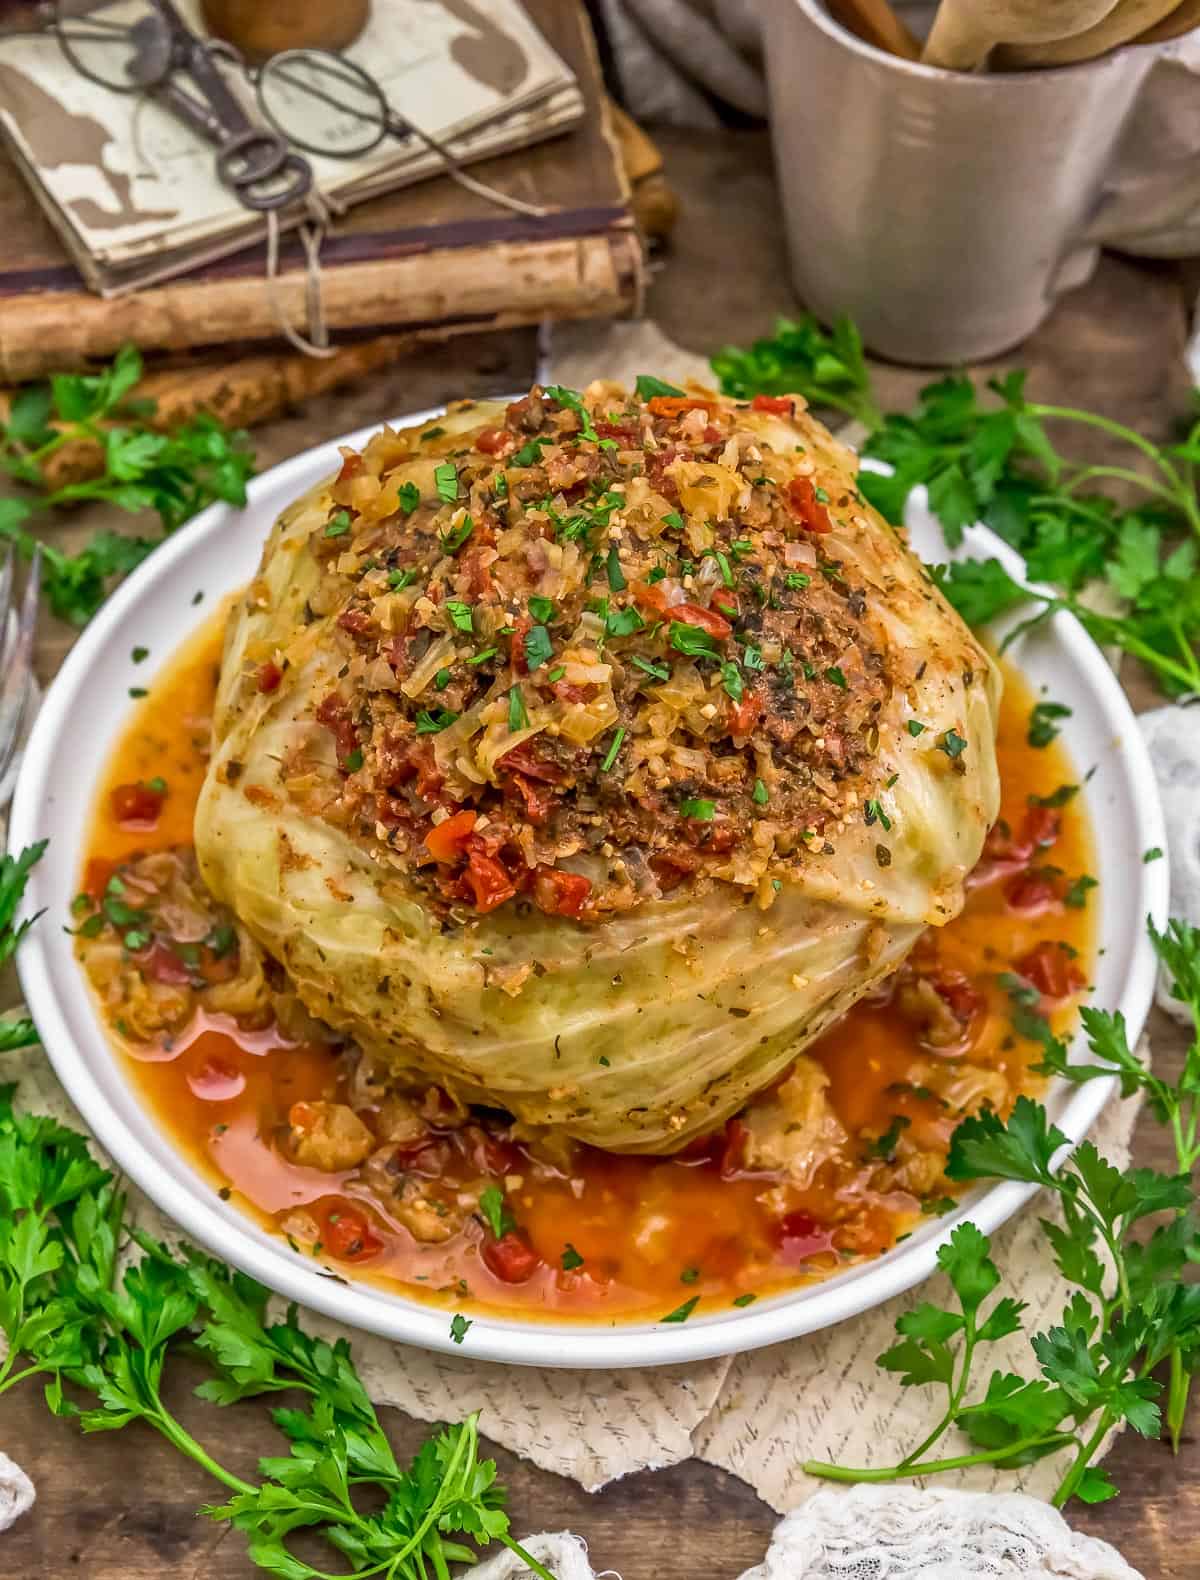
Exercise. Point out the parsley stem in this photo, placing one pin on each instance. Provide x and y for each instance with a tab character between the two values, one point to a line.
1083	1458
990	1456
164	1422
956	1396
1119	431
526	1558
1178	1390
1123	474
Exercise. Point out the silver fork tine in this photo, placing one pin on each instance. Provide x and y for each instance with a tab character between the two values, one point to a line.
16	683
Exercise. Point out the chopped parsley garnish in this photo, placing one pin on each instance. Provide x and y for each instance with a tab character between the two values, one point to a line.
432	433
454	540
744	1300
647	666
1042	728
137	692
140	655
682	1313
723	564
1056	798
408	498
556	674
936	1206
647	387
820	496
915	728
530	454
952	743
354	760
339	525
616	576
573	402
731	679
885	1146
445	479
542	609
794	580
761	794
458	1327
571	1258
518	718
674	519
690	639
442	679
497	1218
752	657
1153	854
689	1275
482	658
399	580
461	616
656	575
834	674
1077	892
696	807
158	784
539	649
610	755
623	622
873	813
431	721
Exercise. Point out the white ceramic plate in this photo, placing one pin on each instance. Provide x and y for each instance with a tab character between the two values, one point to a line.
80	719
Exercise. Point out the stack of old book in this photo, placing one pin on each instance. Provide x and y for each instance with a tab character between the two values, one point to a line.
116	229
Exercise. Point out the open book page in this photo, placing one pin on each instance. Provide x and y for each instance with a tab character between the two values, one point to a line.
128	183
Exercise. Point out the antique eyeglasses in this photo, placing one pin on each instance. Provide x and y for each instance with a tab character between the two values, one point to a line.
311	99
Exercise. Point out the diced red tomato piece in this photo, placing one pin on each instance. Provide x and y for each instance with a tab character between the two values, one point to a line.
538	799
446	841
963	997
624	434
496	441
560	893
806	507
1006	853
781	405
490	883
650	595
137	805
352	465
801	1237
161	964
676	405
349	1236
523	759
745	714
1032	893
489	1154
1052	970
706	619
511	1258
712	434
269	676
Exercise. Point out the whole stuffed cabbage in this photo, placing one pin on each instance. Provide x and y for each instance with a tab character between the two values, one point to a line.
589	755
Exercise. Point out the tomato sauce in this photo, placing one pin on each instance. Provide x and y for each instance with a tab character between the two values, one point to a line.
608	1236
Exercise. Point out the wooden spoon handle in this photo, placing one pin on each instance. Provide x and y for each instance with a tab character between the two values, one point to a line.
876	23
1182	20
1123	24
953	42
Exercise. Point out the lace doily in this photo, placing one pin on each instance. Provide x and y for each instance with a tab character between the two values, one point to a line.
16	1492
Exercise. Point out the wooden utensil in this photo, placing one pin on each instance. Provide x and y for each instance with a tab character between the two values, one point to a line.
1124	22
965	31
1182	20
876	23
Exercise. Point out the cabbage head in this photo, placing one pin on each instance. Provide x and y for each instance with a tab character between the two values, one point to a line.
589	756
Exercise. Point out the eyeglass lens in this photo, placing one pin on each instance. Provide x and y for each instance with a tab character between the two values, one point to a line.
121	44
322	103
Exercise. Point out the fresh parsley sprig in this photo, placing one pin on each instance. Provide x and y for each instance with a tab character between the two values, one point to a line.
175	474
994	455
102	1341
1132	1313
827	367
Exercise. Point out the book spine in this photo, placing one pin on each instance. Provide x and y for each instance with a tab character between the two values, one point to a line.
432	294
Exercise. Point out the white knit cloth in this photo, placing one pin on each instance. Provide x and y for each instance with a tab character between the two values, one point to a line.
16	1492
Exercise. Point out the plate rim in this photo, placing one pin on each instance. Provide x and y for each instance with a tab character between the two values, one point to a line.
541	1341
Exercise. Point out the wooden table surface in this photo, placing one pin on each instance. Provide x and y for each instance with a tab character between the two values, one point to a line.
122	1507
